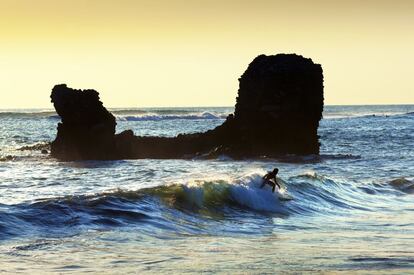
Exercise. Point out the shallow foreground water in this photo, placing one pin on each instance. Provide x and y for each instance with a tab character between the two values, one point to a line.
349	209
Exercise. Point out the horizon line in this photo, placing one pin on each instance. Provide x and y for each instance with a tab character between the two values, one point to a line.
218	106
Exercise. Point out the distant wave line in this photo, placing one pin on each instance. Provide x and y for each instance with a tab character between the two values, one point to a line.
190	114
158	117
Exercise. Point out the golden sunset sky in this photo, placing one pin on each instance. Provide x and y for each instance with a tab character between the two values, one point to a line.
140	53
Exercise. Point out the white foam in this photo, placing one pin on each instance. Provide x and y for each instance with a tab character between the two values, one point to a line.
247	192
244	191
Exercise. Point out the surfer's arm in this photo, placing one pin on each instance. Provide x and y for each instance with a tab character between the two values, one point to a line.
278	185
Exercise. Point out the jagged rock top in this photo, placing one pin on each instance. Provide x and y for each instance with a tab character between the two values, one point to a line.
271	64
76	106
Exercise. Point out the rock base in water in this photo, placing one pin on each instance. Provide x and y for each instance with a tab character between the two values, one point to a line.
278	109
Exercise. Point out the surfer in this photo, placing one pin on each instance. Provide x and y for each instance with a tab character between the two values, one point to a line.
270	178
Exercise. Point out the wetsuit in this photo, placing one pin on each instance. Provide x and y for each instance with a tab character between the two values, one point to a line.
267	179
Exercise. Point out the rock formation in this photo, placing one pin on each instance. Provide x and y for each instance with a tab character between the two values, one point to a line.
279	105
87	130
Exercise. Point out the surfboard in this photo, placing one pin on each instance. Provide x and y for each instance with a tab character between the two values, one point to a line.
281	193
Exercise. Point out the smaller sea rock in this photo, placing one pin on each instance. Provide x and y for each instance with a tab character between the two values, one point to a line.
87	129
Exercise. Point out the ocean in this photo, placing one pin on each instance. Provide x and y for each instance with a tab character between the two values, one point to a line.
350	209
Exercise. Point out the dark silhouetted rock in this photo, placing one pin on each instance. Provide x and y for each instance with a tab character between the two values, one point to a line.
278	109
279	105
87	129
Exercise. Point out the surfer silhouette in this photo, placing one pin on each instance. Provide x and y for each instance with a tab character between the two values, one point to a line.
270	178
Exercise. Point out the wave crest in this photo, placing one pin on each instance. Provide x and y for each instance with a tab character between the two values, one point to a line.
403	184
158	207
245	192
160	117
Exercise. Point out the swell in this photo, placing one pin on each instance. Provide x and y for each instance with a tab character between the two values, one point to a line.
373	115
403	185
27	114
316	158
183	207
176	207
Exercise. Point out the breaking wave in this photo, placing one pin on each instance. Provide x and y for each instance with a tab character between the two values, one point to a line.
183	206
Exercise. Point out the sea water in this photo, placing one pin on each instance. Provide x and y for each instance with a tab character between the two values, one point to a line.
349	209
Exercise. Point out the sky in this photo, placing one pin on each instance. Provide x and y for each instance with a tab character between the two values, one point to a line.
174	53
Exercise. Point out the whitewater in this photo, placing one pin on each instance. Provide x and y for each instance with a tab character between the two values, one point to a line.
349	209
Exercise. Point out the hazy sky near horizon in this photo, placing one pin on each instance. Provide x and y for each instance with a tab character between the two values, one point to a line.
191	53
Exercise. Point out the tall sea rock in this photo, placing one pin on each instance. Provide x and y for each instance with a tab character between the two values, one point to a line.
280	104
